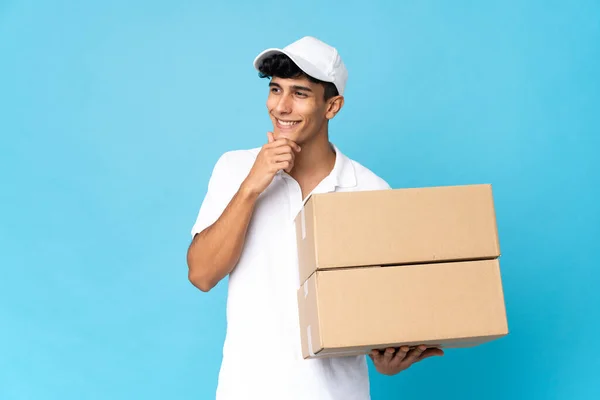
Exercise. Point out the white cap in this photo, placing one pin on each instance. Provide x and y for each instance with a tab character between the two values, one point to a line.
315	58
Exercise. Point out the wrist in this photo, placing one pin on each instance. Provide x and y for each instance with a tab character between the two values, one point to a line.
247	192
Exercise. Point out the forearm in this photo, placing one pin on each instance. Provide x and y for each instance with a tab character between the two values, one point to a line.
215	251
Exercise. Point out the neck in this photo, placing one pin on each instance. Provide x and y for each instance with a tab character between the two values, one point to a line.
315	161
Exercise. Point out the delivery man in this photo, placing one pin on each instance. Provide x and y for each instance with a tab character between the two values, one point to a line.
245	230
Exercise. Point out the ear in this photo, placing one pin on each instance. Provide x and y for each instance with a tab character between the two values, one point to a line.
334	105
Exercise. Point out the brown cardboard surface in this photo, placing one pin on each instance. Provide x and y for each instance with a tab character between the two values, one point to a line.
393	227
351	311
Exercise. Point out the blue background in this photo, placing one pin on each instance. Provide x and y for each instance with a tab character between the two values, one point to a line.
112	116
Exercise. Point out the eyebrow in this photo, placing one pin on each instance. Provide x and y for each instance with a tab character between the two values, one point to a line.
303	88
295	87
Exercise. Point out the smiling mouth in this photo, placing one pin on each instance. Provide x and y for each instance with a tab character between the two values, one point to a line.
286	123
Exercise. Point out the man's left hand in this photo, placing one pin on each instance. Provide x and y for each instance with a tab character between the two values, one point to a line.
392	361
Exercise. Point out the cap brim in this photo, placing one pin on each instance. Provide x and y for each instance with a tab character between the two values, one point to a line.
309	68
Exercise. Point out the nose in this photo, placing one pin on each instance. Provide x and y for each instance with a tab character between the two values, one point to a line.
284	105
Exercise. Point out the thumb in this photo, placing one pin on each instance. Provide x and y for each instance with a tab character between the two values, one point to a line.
270	137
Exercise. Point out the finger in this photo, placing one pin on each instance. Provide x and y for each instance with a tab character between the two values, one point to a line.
286	143
414	354
273	155
285	149
401	354
284	165
376	356
284	157
388	355
431	353
282	142
270	137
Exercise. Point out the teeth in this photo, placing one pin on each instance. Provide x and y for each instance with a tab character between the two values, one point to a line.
287	123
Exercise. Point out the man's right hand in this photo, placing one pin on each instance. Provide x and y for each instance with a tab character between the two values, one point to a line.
274	156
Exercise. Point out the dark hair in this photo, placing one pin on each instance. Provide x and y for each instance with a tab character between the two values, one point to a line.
281	66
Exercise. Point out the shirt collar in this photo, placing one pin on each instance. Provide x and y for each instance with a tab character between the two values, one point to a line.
342	174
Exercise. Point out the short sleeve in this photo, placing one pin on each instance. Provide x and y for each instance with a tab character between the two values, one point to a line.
218	196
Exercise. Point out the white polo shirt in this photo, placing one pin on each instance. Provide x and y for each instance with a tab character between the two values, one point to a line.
262	357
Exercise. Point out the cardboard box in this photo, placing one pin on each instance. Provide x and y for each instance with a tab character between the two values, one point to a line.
394	227
351	311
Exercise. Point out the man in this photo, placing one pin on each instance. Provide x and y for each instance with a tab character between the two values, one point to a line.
245	229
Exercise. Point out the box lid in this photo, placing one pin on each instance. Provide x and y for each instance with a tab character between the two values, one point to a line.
399	226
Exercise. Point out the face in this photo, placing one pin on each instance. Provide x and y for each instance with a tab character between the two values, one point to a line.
298	109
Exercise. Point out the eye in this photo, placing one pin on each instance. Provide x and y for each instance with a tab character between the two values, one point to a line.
300	94
274	90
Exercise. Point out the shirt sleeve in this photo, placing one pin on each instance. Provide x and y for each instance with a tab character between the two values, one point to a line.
218	196
385	185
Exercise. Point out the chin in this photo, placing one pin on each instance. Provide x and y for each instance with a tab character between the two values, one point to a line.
293	136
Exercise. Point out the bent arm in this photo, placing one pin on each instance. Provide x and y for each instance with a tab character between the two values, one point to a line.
215	251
